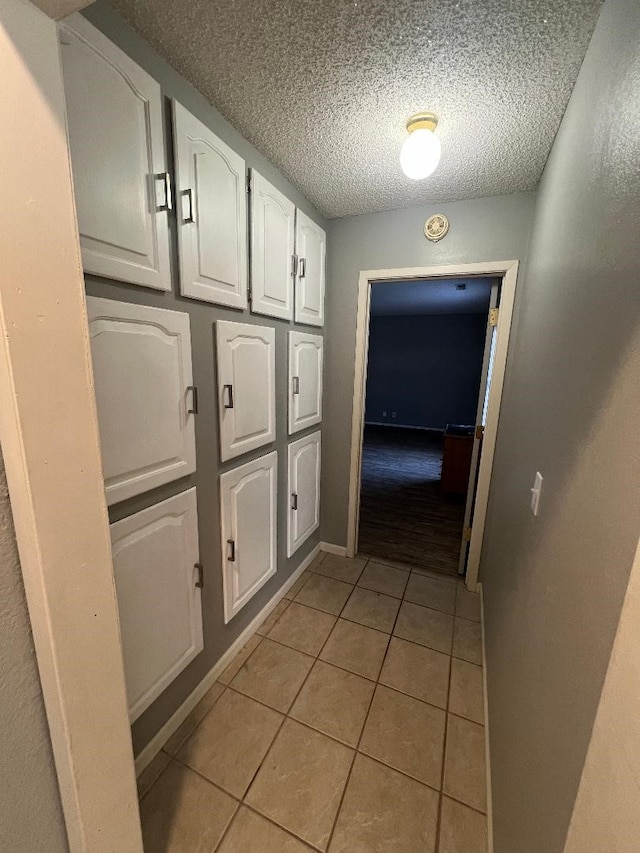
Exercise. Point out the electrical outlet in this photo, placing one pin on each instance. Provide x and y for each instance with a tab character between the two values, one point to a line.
393	414
384	414
536	492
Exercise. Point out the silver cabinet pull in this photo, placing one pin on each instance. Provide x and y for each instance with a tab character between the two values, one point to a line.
231	550
302	267
228	391
200	581
194	399
296	385
188	194
294	265
294	501
165	177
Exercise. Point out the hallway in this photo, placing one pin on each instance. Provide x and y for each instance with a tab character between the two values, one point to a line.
352	721
403	511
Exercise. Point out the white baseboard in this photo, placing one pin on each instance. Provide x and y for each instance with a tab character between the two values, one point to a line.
175	721
330	548
404	426
486	731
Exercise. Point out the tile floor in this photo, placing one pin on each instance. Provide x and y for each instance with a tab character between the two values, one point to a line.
352	722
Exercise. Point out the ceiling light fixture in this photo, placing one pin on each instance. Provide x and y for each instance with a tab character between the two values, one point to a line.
420	152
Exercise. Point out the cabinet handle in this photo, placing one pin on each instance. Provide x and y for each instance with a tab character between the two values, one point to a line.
165	177
228	390
294	265
200	581
194	399
294	501
302	267
296	385
231	552
189	195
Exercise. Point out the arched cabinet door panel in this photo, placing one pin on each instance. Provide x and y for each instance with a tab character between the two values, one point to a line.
155	564
304	490
311	249
246	387
272	250
305	380
248	509
211	210
121	184
144	394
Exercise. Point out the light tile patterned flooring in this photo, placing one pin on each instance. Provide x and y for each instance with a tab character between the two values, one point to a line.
351	723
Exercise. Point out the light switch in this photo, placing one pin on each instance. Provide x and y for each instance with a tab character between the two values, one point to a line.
535	493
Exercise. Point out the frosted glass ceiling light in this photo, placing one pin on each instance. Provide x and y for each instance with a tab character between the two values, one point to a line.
420	152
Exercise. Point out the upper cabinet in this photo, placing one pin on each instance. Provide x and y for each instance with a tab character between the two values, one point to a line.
211	209
305	380
311	249
272	250
246	387
144	394
122	187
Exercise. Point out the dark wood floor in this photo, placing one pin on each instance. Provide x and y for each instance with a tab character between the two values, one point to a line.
404	516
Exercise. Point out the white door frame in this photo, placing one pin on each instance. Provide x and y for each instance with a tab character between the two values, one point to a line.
508	271
51	447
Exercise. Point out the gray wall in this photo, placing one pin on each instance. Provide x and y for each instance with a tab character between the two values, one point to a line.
554	584
30	810
217	636
486	229
425	368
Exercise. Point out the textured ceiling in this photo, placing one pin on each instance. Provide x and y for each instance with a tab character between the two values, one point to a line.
439	296
323	88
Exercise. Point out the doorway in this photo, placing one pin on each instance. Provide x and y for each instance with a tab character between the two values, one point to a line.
428	359
461	527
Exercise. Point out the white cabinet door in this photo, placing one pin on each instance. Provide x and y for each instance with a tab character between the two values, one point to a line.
121	183
305	380
304	490
246	387
310	248
144	394
155	564
211	212
248	509
272	250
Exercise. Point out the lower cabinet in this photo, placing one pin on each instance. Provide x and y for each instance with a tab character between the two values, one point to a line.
155	563
248	510
304	490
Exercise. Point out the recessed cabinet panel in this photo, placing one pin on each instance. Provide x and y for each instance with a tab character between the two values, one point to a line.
246	387
121	184
248	501
304	490
272	250
310	248
305	380
154	556
211	214
143	382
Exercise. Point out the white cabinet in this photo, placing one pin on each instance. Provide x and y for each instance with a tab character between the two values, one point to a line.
304	490
211	203
248	509
157	573
272	250
246	387
310	248
305	380
144	394
121	183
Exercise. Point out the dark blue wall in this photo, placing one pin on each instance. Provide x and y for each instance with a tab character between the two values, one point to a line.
425	368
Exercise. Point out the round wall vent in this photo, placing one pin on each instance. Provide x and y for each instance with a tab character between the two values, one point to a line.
436	227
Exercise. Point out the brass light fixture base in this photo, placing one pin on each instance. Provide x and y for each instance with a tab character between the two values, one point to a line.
428	121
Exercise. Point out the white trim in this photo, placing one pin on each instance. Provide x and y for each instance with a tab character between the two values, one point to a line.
51	445
485	700
330	548
508	271
403	426
178	717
